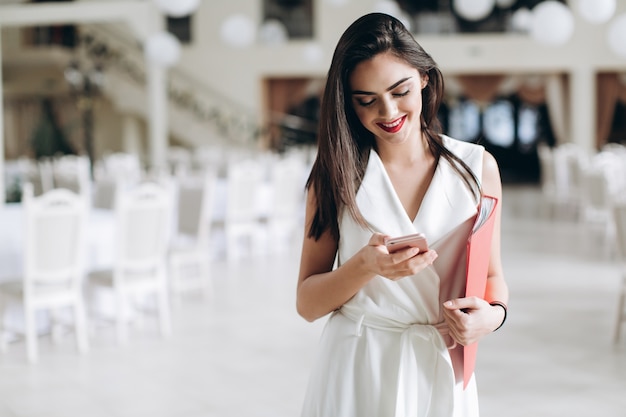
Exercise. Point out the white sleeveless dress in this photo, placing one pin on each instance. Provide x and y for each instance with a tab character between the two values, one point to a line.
384	353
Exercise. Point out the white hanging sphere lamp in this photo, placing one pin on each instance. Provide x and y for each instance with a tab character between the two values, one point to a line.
238	30
596	11
521	19
273	32
552	23
163	49
177	8
473	9
616	35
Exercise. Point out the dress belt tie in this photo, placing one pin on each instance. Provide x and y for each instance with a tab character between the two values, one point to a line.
425	381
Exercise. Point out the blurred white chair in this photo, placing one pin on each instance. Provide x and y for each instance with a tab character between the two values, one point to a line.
547	177
620	223
597	209
179	159
46	174
570	161
243	217
142	234
613	163
123	165
28	171
54	238
189	255
105	191
559	180
211	157
73	172
613	147
286	211
115	173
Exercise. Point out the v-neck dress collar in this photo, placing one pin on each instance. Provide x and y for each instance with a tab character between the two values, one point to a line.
440	211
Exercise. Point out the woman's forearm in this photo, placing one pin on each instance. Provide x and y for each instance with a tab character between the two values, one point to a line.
322	293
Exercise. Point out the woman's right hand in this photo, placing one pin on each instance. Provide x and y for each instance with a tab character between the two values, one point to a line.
396	265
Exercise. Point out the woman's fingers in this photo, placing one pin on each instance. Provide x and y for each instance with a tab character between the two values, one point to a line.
377	239
466	319
399	264
407	262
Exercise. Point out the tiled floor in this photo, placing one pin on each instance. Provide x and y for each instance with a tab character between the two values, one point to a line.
246	353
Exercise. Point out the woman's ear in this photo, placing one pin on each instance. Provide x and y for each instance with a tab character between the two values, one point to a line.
425	79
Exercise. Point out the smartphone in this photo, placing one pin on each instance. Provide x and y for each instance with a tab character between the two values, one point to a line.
417	240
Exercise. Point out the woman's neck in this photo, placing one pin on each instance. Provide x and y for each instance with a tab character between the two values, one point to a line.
405	154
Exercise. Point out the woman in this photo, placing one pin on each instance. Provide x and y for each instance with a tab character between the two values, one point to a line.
393	343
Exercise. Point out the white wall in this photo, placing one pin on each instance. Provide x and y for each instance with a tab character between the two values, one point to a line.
238	72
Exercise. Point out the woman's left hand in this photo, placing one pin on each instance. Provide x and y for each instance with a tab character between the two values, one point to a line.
469	319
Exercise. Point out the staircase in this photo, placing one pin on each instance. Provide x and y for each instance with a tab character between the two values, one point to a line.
198	116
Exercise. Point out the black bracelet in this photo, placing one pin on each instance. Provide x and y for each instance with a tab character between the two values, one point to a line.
501	304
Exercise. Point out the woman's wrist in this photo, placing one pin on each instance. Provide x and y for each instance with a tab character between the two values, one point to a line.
502	305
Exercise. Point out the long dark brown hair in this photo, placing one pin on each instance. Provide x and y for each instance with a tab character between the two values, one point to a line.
343	142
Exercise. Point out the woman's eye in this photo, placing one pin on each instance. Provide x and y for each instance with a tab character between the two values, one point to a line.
365	103
402	94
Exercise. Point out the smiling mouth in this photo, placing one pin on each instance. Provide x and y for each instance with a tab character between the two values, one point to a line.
394	126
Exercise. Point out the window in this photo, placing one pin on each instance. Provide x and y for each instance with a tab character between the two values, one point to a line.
499	124
296	15
439	16
180	27
464	121
508	128
527	125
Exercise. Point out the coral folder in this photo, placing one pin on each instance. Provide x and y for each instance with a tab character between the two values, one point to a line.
478	253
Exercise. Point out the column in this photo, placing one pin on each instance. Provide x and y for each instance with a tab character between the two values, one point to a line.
157	114
583	107
131	135
2	190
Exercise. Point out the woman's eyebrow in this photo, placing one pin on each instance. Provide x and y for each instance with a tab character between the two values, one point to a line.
394	85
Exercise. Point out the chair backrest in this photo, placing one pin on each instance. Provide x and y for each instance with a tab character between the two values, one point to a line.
179	159
126	166
105	192
613	147
570	162
195	202
613	164
287	179
244	179
46	174
143	226
209	157
73	172
54	237
546	164
619	211
28	171
595	190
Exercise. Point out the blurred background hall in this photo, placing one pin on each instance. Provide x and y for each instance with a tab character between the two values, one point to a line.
155	152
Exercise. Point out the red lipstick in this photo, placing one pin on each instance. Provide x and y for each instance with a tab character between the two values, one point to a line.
393	126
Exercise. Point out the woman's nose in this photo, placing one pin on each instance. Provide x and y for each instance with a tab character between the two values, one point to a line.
387	107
